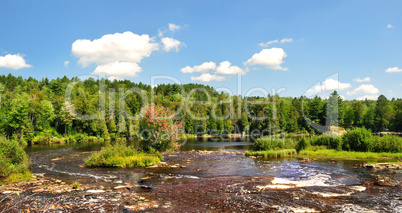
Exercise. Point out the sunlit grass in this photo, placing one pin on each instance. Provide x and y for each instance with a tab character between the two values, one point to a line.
330	153
272	153
120	155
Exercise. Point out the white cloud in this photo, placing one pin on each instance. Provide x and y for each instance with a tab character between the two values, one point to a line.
366	79
204	67
14	62
368	97
160	33
66	63
389	26
270	58
226	69
285	40
393	69
364	89
206	77
112	78
266	44
329	84
118	69
173	27
170	44
110	48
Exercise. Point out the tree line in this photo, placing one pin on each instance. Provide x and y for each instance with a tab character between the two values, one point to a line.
31	108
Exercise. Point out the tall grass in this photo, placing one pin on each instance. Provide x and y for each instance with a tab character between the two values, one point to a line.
273	143
272	153
330	153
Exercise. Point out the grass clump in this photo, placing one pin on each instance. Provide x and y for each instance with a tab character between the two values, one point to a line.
273	143
121	155
272	153
75	185
14	162
334	154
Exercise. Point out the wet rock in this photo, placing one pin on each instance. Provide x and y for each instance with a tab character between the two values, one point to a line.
153	166
95	191
386	181
122	187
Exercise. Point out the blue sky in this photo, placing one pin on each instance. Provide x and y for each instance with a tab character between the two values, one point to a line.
352	46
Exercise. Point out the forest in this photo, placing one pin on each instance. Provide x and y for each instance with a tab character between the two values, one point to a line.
69	110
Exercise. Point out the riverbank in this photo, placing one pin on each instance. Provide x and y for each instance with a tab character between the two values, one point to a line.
191	181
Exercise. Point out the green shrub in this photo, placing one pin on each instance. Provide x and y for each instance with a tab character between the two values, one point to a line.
303	143
387	143
330	141
358	139
75	185
271	143
13	160
81	137
121	155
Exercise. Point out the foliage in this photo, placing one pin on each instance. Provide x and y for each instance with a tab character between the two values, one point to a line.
75	185
358	139
121	155
387	143
272	153
13	159
303	143
273	143
161	132
332	141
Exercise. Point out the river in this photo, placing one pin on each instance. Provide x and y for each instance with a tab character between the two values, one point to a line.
208	176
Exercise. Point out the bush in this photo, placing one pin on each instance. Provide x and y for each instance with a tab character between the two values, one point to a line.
120	155
387	143
81	137
303	143
358	139
271	143
13	160
332	141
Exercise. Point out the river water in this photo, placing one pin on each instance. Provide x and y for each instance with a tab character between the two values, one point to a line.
213	176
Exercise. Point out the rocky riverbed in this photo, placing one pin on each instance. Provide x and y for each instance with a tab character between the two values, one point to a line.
204	181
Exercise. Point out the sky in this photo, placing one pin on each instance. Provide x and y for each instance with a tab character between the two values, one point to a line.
251	48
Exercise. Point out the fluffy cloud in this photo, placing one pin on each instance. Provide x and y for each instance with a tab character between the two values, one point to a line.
226	69
206	77
364	89
110	48
366	79
118	68
329	84
393	69
389	26
173	27
170	44
270	58
14	62
204	67
368	97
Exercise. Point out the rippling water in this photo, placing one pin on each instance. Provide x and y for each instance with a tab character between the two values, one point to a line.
233	180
